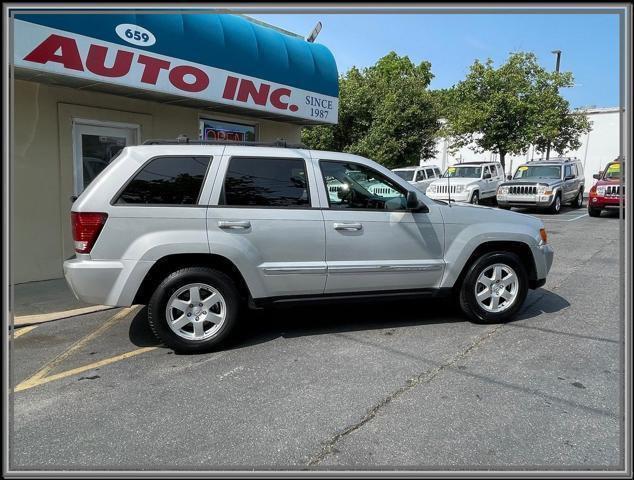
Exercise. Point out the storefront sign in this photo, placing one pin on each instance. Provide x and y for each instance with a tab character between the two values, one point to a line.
46	49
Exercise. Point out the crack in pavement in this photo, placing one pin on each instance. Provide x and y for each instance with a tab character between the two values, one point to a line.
427	376
420	379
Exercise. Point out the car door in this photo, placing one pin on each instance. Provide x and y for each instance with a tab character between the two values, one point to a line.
374	243
569	183
265	214
488	183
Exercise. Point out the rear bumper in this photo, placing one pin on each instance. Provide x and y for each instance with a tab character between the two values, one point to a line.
102	282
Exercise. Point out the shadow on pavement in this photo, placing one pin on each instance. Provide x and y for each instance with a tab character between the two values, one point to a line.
260	326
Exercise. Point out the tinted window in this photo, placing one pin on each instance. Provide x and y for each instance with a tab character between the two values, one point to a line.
405	174
266	182
350	185
567	171
420	175
430	173
167	181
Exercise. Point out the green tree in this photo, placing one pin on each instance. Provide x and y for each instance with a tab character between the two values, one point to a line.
385	113
506	110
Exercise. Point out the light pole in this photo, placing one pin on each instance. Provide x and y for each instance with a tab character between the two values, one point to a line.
558	54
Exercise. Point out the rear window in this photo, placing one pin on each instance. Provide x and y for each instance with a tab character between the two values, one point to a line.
266	182
166	181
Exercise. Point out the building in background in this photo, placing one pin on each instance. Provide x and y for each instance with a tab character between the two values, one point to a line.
86	85
598	147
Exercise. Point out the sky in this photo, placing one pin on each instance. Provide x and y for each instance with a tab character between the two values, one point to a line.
451	42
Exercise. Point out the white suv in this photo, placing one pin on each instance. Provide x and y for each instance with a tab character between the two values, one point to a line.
468	182
197	231
421	176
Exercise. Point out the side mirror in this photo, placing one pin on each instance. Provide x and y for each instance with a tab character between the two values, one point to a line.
412	200
596	176
486	175
509	177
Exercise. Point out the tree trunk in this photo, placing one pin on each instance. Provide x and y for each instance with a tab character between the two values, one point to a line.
502	155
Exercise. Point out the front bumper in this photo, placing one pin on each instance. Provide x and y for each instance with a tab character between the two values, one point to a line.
540	201
102	282
543	256
464	196
595	201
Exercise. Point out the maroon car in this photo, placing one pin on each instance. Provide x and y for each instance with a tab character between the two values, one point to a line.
608	192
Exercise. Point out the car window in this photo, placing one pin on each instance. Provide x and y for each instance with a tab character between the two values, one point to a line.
265	182
351	185
567	171
407	175
438	172
487	169
613	170
538	171
463	172
499	170
420	175
167	181
430	173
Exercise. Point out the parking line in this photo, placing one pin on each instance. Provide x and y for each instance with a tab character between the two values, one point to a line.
41	374
21	331
34	382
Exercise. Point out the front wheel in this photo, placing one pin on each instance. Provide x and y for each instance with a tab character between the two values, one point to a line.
194	309
594	212
475	198
556	206
494	288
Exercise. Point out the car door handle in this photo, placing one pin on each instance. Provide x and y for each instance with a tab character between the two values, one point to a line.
347	226
243	224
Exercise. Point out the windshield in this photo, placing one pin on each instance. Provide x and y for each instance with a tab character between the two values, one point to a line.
463	172
613	171
538	171
405	174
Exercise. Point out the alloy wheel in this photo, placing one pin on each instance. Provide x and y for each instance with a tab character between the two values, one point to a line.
196	311
497	288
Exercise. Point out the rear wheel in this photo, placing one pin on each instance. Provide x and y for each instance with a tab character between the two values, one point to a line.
194	309
578	201
494	288
594	212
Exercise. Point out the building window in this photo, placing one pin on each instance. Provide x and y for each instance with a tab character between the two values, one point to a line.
226	131
167	181
266	182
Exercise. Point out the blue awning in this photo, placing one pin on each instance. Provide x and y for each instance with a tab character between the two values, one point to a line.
224	41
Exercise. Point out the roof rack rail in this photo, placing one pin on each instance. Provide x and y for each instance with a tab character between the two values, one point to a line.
184	140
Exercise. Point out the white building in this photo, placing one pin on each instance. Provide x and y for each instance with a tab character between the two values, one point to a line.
598	147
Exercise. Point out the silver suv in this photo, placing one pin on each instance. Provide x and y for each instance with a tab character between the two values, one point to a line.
197	231
546	184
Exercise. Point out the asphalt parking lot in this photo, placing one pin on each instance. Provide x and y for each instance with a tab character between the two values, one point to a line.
390	386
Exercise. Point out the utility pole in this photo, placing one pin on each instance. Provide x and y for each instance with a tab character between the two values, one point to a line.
558	54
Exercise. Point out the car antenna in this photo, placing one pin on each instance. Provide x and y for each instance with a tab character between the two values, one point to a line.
448	188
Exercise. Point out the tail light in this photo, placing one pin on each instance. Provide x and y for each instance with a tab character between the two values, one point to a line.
86	229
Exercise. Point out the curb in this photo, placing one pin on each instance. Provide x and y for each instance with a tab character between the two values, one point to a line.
26	320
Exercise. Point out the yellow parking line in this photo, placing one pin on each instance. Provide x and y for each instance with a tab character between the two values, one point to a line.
47	368
21	331
34	382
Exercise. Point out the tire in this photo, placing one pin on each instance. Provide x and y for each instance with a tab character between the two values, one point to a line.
475	198
594	212
217	320
486	265
555	208
578	201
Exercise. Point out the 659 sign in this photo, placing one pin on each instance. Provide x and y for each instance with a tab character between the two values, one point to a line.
135	34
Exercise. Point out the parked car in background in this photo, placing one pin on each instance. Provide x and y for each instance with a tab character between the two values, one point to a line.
420	176
608	192
198	232
469	182
544	184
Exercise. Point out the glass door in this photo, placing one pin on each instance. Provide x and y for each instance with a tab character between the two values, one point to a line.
94	148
